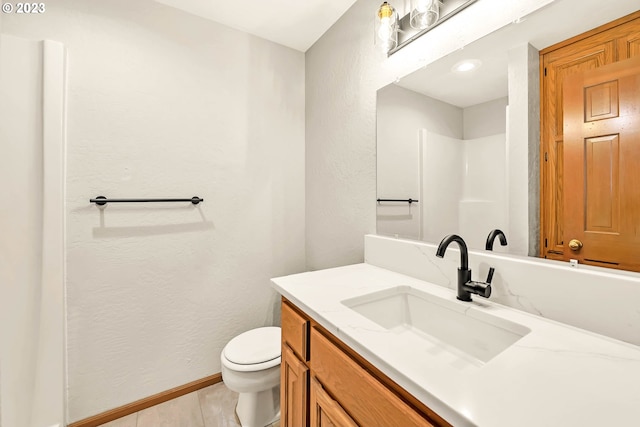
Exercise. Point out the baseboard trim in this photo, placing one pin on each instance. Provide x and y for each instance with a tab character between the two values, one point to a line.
147	402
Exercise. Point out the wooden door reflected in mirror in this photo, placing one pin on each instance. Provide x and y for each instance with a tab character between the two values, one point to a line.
561	223
601	159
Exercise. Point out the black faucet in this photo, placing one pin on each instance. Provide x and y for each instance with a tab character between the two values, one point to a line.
466	286
492	236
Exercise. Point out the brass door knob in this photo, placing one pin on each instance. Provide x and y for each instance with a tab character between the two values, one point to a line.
575	245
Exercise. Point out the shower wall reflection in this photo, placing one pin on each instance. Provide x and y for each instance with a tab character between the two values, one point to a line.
452	158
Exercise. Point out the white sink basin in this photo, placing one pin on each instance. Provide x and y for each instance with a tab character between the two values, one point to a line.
461	329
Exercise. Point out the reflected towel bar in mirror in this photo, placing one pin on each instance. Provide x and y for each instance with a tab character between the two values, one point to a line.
397	200
101	200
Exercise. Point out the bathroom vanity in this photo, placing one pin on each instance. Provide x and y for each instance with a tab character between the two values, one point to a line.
363	345
324	381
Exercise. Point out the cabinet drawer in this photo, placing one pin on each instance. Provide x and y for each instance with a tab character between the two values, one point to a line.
374	405
295	331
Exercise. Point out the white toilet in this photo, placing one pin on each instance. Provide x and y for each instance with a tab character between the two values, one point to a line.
251	367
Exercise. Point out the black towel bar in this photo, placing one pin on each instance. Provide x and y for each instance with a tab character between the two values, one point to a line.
101	200
397	200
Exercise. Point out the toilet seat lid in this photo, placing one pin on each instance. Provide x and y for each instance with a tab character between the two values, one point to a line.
255	346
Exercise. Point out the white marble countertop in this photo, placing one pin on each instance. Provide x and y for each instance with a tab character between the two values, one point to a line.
556	375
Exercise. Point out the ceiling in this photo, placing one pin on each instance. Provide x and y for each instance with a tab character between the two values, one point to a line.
293	23
558	21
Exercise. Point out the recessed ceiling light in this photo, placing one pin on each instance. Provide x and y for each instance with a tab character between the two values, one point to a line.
466	66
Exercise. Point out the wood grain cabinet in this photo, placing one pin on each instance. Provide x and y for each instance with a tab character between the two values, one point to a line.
325	383
294	374
293	389
326	412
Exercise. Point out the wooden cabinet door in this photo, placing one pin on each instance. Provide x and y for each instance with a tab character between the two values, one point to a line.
368	401
326	412
293	390
602	166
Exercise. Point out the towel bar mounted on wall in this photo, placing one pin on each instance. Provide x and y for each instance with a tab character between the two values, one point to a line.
101	200
397	200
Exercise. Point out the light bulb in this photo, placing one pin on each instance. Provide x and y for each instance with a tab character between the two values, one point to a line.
385	29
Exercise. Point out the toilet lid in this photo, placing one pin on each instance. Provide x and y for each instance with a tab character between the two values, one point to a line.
255	346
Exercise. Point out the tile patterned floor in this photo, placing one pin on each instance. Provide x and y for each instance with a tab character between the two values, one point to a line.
213	406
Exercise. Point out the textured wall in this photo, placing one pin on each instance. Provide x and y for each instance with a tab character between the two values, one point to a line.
164	104
343	73
524	150
340	140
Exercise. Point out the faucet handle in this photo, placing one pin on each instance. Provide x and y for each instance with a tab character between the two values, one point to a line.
490	275
479	288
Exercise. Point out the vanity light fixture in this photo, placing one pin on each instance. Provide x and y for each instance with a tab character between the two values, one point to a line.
386	27
393	33
466	66
424	13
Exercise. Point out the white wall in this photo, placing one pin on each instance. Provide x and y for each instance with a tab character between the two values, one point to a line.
457	169
32	226
486	119
442	181
21	227
463	188
164	104
343	73
401	114
49	394
484	205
